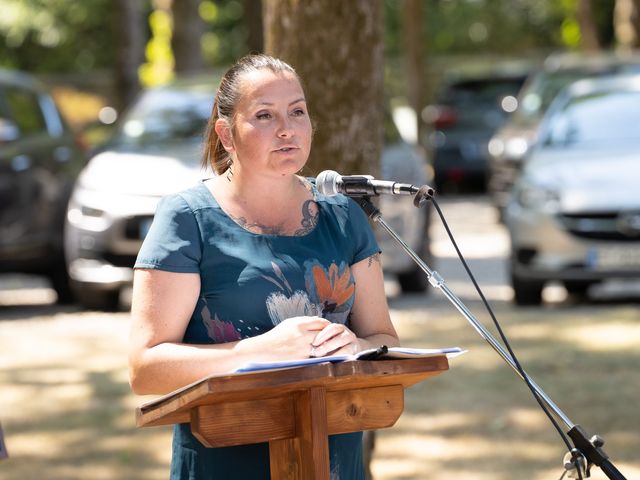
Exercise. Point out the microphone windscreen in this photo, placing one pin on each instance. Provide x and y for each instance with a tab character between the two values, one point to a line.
327	183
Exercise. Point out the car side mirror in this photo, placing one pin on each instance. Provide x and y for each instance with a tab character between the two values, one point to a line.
9	131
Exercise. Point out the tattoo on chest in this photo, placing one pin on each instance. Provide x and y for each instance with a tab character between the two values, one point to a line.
309	218
309	221
258	227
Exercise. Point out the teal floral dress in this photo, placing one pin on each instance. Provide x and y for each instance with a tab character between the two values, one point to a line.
249	283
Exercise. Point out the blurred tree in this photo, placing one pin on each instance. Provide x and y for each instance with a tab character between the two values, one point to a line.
588	28
418	82
627	24
337	49
188	28
253	23
130	52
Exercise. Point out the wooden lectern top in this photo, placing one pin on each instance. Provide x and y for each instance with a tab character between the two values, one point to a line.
293	409
174	407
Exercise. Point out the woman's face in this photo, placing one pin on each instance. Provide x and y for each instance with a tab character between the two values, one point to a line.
272	131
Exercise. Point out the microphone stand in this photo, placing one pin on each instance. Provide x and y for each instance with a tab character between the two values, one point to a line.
585	448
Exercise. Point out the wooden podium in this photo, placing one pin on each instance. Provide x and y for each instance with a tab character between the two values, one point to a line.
293	409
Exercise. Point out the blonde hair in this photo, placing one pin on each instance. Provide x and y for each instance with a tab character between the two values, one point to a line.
225	102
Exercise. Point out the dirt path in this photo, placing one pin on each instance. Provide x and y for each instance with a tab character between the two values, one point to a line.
67	411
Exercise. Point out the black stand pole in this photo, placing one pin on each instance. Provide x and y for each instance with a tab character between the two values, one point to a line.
590	449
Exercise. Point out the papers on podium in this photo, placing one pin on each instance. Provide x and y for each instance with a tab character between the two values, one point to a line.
382	353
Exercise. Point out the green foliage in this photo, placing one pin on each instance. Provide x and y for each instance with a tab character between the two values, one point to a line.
59	36
52	36
226	36
504	27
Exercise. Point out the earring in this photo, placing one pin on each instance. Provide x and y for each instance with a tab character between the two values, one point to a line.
229	170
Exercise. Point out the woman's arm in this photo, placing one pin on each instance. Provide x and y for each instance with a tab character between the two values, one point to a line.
370	321
159	362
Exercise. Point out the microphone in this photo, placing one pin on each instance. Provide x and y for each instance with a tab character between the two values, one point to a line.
331	183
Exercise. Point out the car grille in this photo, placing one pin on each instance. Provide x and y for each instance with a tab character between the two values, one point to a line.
119	260
134	227
623	226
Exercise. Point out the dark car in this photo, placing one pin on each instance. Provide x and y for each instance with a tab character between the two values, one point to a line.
511	143
467	113
39	161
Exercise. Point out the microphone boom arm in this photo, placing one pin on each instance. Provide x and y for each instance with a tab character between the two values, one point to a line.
591	449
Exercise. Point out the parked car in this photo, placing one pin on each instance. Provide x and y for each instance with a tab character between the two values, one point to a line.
574	215
466	114
39	161
155	151
511	142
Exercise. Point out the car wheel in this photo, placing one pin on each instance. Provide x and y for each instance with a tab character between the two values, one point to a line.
92	299
414	281
525	291
577	288
59	278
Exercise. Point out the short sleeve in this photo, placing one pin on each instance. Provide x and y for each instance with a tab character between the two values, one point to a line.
173	242
364	241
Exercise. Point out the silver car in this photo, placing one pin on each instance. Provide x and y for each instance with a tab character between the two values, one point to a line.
511	143
574	215
155	151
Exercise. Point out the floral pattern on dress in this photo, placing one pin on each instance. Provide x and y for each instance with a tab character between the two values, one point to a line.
218	330
288	303
331	288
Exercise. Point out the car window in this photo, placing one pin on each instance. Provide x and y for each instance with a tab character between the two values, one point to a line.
537	95
482	91
605	117
24	109
164	116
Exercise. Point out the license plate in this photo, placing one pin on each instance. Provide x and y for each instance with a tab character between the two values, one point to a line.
145	225
619	258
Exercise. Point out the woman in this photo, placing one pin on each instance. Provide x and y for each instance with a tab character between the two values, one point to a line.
253	265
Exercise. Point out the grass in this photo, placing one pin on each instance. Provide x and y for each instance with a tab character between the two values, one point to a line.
67	410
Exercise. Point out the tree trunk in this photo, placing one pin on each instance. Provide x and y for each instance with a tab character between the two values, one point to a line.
131	39
337	49
253	21
626	23
588	28
188	28
414	60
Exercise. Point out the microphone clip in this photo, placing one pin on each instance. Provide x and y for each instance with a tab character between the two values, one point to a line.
358	185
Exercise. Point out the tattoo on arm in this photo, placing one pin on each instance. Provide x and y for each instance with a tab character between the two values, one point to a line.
374	258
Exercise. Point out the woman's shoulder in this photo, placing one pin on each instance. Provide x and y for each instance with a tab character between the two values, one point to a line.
194	198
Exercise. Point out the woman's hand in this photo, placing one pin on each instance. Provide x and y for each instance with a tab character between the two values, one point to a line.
335	339
292	338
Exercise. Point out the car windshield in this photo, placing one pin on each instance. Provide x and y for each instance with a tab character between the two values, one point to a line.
604	118
538	95
164	116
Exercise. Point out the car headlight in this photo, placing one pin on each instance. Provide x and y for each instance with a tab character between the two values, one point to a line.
516	148
537	197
